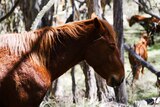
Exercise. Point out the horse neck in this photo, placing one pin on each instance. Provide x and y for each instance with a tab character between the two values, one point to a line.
65	46
68	53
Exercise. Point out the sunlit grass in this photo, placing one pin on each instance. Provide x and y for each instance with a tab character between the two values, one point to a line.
144	88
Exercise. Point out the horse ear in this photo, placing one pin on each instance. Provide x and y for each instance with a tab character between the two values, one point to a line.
96	22
93	15
128	19
112	46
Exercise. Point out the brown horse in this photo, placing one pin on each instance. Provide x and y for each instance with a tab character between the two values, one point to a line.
104	3
150	24
30	61
141	49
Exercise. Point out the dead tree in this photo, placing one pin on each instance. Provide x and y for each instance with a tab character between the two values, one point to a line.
121	93
90	81
71	19
73	85
142	61
101	85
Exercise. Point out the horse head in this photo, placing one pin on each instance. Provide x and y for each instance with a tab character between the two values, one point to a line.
103	55
135	19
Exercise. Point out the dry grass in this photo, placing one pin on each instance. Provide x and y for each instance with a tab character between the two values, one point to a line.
143	88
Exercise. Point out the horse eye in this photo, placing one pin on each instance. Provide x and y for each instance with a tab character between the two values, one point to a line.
112	46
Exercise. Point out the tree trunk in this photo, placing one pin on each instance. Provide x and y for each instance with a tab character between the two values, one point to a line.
56	90
73	84
100	82
90	82
31	8
121	93
140	9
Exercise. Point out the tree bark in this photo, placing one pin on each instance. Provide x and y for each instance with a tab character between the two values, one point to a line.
100	82
121	93
139	7
73	85
90	81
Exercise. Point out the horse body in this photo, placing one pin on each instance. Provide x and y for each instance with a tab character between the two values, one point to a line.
103	4
141	49
28	65
150	24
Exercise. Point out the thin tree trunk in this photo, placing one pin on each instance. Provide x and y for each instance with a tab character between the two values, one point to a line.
140	9
121	93
90	82
100	82
56	90
102	92
73	84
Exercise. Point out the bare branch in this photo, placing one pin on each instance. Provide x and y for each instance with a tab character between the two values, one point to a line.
150	13
144	8
81	2
10	12
41	14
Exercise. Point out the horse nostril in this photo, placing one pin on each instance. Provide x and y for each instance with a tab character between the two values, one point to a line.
114	82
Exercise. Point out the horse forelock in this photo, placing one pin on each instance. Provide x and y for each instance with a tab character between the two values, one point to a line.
21	43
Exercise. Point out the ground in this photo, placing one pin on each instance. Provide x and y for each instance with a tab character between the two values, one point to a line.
144	87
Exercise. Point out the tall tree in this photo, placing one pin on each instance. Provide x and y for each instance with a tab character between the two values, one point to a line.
101	84
90	81
121	94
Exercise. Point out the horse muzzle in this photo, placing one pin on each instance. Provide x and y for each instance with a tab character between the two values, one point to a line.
115	82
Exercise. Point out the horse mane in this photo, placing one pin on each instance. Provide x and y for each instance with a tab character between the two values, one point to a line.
20	43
